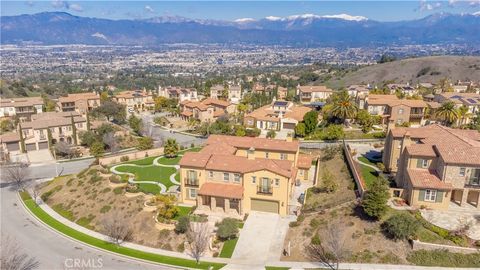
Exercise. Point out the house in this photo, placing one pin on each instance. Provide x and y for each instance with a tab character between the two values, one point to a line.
135	100
261	89
308	94
241	174
400	111
181	94
234	93
79	102
208	110
279	115
216	91
282	93
23	107
358	90
405	89
469	100
435	165
56	125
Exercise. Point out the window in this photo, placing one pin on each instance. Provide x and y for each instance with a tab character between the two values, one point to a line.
277	182
236	177
400	111
226	177
210	174
283	156
254	180
193	193
300	172
462	172
430	195
266	154
424	163
80	125
399	121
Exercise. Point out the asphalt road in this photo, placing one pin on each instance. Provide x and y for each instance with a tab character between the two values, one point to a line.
52	250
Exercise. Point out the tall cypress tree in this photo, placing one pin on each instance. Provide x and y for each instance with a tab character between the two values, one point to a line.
88	122
22	139
74	130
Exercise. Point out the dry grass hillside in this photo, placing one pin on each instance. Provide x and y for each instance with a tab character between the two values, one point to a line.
423	69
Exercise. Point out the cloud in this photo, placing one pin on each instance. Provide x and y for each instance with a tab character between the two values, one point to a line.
149	9
29	3
474	3
425	6
60	4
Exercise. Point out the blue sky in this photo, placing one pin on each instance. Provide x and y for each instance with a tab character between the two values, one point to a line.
230	10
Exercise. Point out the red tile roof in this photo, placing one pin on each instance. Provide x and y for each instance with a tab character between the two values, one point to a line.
304	161
221	190
427	179
257	143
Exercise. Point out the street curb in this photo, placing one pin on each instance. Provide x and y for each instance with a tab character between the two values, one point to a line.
134	259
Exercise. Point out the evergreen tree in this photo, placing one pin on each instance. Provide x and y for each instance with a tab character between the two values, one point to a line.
374	201
22	139
74	130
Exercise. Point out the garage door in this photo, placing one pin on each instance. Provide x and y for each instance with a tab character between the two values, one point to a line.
31	147
43	145
265	206
289	125
13	146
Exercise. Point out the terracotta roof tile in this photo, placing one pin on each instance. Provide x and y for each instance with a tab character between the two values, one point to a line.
314	88
304	161
257	143
426	179
221	190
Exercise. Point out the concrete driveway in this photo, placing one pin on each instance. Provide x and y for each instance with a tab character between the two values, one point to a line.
261	238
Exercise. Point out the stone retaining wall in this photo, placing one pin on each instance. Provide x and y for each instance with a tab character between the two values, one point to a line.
417	245
131	156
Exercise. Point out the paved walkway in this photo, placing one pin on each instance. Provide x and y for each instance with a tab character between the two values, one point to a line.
131	176
455	217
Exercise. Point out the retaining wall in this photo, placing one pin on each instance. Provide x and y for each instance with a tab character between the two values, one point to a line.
131	156
355	169
417	245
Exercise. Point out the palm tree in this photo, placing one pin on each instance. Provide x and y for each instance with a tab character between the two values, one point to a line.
448	113
171	148
343	106
463	113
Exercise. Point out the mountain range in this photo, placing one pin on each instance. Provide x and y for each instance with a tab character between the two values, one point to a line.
297	30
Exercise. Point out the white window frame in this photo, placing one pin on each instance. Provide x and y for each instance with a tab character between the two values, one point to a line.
236	178
254	180
194	196
226	177
424	163
462	171
430	195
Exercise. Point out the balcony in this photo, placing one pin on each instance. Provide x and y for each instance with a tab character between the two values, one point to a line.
473	183
191	182
265	190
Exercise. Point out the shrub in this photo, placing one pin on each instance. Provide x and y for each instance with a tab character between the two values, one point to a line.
271	134
181	247
328	181
443	258
114	178
293	224
45	196
183	224
105	190
400	226
105	209
118	190
314	223
124	158
315	240
168	209
227	229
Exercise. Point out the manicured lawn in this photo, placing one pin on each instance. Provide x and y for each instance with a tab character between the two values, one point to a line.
151	173
149	188
275	268
364	159
369	174
184	211
47	219
228	248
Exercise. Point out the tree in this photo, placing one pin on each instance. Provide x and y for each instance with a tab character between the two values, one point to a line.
365	119
331	249
23	149
311	121
386	58
198	236
300	130
448	113
227	229
112	111
6	125
343	106
400	226
74	130
374	201
65	150
97	149
116	227
160	103
145	143
17	174
271	134
50	105
240	131
462	113
87	138
167	208
183	224
35	192
110	140
328	181
171	148
88	121
332	132
13	258
135	123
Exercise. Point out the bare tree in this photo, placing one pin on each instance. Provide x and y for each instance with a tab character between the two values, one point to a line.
112	142
13	258
17	173
117	228
331	249
198	236
65	149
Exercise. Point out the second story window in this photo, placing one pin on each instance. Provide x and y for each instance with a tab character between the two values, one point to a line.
277	182
254	180
266	155
236	178
422	163
462	172
283	156
226	177
210	174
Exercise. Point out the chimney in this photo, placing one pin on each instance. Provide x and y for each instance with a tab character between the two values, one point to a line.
289	137
251	153
390	125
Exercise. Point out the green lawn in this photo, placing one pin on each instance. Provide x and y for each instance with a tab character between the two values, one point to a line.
184	211
369	174
60	227
228	248
365	160
149	188
276	268
151	173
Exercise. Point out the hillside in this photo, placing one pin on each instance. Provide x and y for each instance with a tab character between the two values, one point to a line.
424	69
